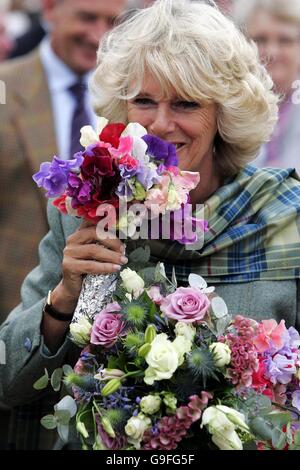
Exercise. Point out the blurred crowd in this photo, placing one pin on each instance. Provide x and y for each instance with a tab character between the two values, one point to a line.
47	53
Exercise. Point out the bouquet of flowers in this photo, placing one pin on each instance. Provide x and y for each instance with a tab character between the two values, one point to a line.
124	178
166	367
120	164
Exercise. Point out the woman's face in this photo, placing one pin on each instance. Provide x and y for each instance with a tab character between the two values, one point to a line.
279	47
188	125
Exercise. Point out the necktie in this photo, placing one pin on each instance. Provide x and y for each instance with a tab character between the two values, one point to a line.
80	117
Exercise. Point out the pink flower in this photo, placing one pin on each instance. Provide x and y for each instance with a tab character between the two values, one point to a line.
270	334
108	326
155	294
186	304
125	147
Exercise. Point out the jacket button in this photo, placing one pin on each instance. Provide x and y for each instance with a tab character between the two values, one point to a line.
28	344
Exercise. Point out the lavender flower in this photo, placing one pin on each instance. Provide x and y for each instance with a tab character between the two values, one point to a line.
54	176
296	399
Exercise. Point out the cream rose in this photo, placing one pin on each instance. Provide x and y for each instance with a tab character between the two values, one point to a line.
162	360
182	346
150	404
132	282
185	329
81	332
221	353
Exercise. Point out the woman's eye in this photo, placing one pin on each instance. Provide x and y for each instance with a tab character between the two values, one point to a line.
143	101
186	104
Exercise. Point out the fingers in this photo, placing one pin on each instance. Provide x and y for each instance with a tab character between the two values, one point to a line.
86	235
89	267
95	252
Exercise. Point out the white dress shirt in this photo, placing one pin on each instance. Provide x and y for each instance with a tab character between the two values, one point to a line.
60	78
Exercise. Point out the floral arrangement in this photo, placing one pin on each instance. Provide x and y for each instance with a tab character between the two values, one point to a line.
122	164
165	367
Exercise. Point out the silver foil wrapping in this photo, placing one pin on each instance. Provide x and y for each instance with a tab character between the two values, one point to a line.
96	293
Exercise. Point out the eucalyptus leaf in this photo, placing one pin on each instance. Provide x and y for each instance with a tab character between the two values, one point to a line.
278	439
42	382
62	416
280	418
140	257
49	422
67	369
56	379
67	404
63	432
261	428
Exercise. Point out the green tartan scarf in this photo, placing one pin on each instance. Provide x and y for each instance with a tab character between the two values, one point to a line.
254	231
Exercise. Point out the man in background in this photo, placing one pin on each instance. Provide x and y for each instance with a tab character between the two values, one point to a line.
46	104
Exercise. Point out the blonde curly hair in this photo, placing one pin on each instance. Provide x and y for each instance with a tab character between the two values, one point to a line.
194	49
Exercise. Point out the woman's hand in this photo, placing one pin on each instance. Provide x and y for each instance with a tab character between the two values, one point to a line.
85	254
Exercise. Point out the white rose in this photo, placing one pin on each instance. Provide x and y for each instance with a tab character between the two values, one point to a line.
150	404
186	330
182	346
221	422
132	282
136	426
221	353
162	360
81	331
237	418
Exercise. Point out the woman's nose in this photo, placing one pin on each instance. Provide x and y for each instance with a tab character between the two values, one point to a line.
163	121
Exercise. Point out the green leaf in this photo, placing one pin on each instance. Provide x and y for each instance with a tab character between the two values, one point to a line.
278	439
56	379
63	416
42	383
63	432
279	419
140	257
67	369
261	428
49	422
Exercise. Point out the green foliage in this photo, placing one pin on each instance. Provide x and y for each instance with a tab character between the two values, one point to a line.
49	422
56	378
133	341
117	418
42	382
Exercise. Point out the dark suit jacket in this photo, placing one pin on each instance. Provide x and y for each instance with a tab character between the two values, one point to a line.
27	138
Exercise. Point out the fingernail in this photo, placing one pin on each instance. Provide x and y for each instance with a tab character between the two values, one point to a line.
123	249
117	267
124	260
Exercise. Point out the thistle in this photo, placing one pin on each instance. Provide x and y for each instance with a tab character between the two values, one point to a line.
117	418
133	341
85	382
200	363
135	313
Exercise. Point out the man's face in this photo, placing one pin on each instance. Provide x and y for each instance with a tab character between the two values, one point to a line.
77	26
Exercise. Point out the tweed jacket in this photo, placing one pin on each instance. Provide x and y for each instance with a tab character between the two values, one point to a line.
27	358
27	138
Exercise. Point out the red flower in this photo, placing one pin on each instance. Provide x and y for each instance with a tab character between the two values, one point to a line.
260	383
111	134
60	203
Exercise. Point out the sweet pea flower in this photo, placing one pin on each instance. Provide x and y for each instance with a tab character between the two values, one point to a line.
270	335
186	304
90	136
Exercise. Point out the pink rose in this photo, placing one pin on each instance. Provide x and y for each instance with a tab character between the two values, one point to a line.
186	304
108	326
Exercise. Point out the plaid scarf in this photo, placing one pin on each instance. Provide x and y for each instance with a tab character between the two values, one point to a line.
254	231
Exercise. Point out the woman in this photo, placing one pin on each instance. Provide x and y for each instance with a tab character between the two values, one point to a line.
275	27
189	76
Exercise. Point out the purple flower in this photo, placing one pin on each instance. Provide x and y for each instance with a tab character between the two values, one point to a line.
124	190
53	177
147	176
108	326
186	304
161	150
80	191
296	399
280	369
